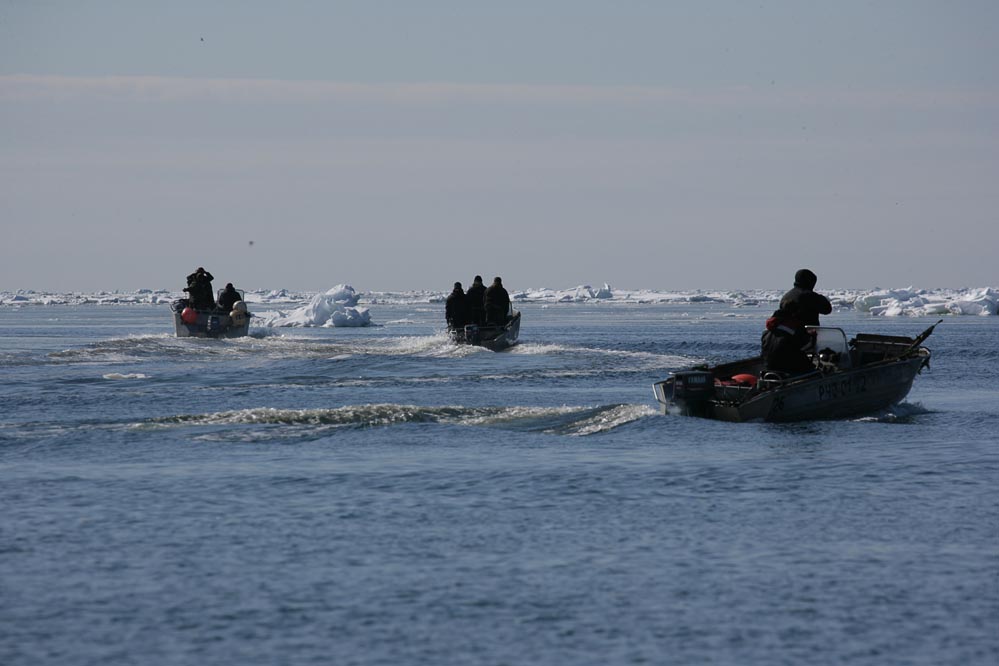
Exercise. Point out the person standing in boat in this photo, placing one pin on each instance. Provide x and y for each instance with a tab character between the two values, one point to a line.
199	289
475	297
808	303
497	303
229	297
454	309
783	341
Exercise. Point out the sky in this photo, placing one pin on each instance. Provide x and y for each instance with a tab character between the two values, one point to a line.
405	145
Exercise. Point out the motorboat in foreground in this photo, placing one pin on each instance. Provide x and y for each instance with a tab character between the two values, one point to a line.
491	336
214	323
870	373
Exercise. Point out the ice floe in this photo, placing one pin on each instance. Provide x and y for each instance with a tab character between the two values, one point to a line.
338	306
919	302
334	307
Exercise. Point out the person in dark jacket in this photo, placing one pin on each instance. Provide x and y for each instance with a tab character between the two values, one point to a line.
497	303
199	289
475	298
229	297
783	342
808	303
454	309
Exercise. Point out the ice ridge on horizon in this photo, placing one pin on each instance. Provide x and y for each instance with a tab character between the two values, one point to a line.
908	301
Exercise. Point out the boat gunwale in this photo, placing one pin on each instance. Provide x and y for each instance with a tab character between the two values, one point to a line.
732	408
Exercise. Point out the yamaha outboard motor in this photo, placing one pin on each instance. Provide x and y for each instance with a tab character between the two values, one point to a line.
692	389
472	335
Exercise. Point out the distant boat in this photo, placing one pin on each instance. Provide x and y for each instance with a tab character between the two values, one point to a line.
872	373
492	337
214	323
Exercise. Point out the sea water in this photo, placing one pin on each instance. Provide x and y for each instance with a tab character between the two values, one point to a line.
381	496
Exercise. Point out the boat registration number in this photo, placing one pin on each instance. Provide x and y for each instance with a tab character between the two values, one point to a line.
843	388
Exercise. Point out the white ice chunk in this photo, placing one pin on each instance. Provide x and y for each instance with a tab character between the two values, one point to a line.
334	307
343	294
907	302
347	316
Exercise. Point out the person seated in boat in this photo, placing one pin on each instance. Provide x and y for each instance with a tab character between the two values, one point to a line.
475	309
228	297
809	303
497	303
454	309
199	289
784	340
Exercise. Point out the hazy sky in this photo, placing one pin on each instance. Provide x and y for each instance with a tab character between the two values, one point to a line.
406	145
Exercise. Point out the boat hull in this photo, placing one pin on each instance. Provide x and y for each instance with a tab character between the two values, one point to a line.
211	325
839	395
495	338
817	395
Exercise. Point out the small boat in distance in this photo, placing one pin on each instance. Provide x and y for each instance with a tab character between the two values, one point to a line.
214	323
492	337
872	373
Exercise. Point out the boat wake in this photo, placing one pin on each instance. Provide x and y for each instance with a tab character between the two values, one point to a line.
538	349
900	413
261	342
565	420
123	350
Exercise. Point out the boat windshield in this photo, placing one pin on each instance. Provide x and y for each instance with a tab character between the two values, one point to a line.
830	339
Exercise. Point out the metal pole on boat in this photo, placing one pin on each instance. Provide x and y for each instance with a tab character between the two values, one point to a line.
920	339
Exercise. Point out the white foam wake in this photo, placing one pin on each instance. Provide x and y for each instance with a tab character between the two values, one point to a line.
564	420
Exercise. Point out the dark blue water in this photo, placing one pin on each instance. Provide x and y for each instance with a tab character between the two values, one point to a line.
380	496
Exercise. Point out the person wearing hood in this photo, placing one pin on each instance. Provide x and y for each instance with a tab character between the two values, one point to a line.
808	303
199	289
497	303
229	297
475	309
783	342
455	310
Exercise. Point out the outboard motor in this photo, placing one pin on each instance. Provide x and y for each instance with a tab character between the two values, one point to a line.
214	326
691	391
472	335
